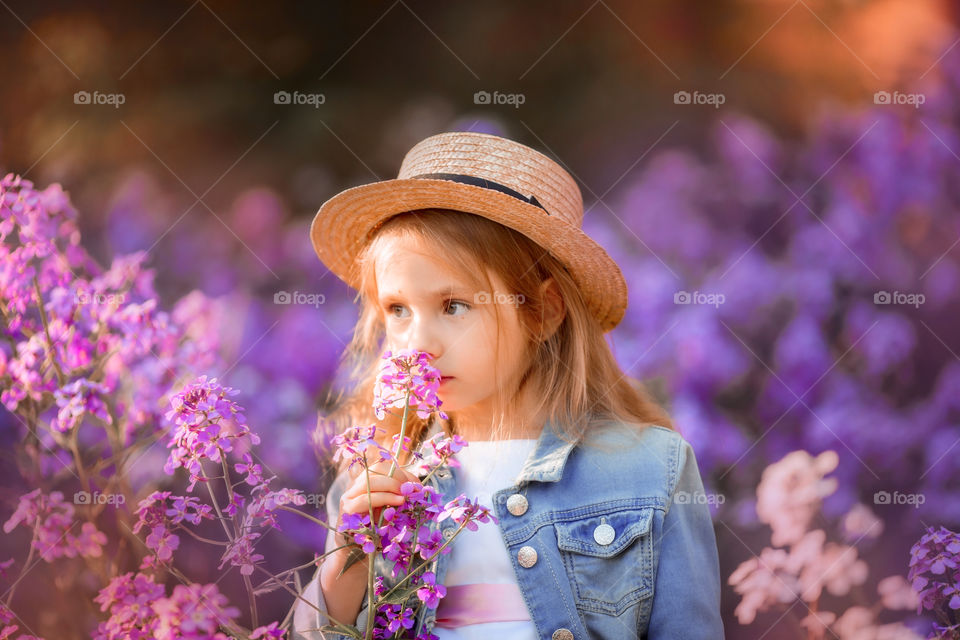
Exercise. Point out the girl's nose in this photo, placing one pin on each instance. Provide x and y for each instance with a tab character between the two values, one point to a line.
423	338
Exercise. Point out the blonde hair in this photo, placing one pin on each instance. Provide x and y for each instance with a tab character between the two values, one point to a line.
573	372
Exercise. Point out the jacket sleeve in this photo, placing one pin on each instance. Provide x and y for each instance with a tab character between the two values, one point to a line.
686	599
306	619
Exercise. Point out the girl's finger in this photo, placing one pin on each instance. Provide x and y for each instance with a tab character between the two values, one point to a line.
362	505
377	483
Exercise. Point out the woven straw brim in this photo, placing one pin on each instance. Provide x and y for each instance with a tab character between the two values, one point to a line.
344	223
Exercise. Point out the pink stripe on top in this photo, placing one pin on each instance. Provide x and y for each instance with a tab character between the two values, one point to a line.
476	603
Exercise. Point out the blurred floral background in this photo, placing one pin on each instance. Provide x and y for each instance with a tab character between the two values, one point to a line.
776	179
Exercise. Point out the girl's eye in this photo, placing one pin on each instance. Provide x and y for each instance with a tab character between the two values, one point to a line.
460	303
392	309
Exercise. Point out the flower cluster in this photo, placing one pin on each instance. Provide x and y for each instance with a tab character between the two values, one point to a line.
440	450
240	553
353	443
935	576
788	498
206	424
139	609
78	398
53	521
790	493
160	512
407	376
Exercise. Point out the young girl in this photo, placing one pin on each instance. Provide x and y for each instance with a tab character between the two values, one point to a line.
475	255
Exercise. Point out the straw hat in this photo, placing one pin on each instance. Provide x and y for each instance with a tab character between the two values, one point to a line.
485	175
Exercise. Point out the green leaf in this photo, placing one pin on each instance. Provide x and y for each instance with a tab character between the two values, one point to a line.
356	555
353	632
400	595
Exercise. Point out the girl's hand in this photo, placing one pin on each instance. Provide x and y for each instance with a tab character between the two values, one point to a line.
384	492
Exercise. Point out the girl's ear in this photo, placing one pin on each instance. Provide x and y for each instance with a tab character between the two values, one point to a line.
553	308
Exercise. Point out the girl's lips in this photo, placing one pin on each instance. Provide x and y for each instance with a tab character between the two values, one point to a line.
445	378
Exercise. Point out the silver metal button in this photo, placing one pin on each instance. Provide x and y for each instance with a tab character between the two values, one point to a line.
517	504
604	533
448	533
527	557
562	634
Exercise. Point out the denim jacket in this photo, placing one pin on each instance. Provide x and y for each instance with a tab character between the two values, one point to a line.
654	575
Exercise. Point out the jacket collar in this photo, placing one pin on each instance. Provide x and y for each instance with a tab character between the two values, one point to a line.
545	463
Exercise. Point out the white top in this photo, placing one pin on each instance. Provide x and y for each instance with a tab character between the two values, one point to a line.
480	556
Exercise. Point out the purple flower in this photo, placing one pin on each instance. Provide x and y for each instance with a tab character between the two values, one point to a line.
462	510
353	443
206	425
151	511
54	522
240	553
935	570
264	505
162	542
392	617
253	471
269	631
189	509
192	611
431	592
408	372
78	398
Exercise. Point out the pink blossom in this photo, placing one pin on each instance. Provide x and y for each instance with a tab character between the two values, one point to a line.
54	522
192	611
817	623
763	581
861	522
790	493
896	593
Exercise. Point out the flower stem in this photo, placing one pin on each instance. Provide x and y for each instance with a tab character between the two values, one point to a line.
403	429
428	560
370	568
396	454
253	602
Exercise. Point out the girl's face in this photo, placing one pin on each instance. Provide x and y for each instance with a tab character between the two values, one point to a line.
427	307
